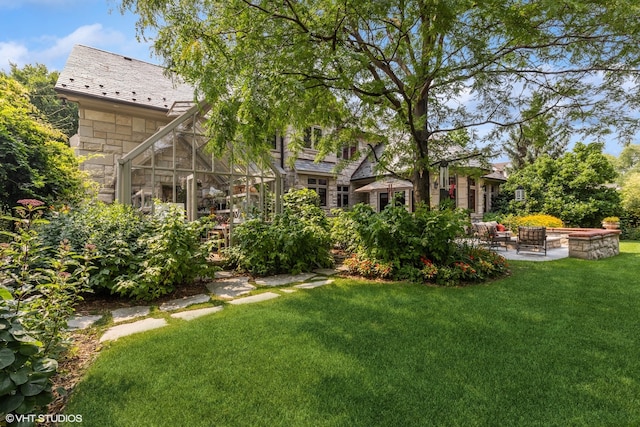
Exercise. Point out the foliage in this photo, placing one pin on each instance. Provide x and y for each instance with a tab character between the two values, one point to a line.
412	70
630	225
540	135
400	237
611	219
35	161
41	86
571	187
537	220
141	257
38	294
343	230
117	232
365	267
631	191
297	240
172	255
418	247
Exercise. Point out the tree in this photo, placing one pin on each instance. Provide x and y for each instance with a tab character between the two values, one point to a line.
541	135
35	161
412	70
41	83
572	187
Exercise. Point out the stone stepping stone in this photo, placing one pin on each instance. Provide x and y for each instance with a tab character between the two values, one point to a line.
326	271
120	331
223	274
185	302
255	298
311	285
82	322
231	288
194	314
129	313
284	279
288	291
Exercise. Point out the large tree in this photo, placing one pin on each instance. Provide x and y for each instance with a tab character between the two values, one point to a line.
576	187
541	135
35	161
41	83
412	70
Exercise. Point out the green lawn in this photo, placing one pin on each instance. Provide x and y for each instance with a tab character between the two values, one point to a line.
557	343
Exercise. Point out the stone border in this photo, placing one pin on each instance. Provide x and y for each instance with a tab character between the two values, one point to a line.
594	244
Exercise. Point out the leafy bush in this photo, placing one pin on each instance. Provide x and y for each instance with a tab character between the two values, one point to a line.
630	225
38	292
142	257
297	240
172	255
116	231
364	267
343	230
400	237
419	247
536	220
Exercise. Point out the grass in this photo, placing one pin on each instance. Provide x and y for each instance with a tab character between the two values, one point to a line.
554	344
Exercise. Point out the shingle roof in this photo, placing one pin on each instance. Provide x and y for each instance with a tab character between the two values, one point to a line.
324	168
366	169
104	75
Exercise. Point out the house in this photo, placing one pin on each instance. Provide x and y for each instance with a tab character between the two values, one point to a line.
142	134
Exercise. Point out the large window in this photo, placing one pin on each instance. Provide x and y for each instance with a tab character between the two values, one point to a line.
343	196
319	185
312	136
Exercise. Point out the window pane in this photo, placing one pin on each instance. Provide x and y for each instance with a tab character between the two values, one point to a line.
322	192
307	137
322	181
311	181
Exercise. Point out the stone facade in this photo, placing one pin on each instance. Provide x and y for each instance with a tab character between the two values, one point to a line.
594	244
105	136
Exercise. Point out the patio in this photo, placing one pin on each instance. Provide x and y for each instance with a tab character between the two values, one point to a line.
552	254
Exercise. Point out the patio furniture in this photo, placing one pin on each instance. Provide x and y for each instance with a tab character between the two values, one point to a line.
532	238
487	233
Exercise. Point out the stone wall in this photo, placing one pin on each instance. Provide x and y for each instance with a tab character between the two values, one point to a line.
104	137
594	244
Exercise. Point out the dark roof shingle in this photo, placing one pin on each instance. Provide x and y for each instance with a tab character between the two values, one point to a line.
116	78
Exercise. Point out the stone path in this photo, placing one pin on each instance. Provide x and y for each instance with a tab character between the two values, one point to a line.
132	328
129	313
225	285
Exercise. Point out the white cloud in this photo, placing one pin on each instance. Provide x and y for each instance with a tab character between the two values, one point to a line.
90	35
13	52
53	51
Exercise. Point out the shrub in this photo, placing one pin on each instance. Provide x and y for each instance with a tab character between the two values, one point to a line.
138	256
38	293
297	240
419	247
364	267
172	255
343	230
537	220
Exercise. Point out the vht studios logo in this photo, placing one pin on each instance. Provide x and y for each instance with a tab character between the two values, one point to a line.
43	418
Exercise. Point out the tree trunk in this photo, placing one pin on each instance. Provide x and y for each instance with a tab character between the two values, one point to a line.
421	189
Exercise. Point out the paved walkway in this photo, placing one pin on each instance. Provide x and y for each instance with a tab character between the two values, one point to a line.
225	285
552	254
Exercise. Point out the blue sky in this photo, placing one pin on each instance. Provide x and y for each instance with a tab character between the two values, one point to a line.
44	31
